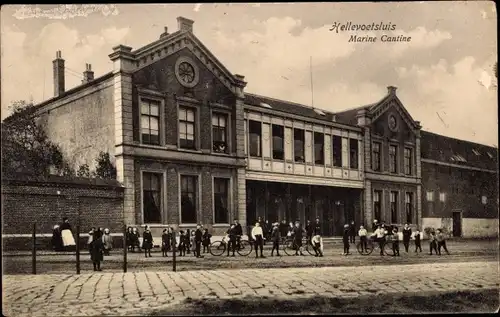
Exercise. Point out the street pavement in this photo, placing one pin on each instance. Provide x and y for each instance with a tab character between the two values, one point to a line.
134	293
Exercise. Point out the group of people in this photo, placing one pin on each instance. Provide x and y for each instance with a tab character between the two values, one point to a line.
383	234
62	236
100	243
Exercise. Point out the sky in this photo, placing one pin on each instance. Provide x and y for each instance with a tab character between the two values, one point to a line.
444	74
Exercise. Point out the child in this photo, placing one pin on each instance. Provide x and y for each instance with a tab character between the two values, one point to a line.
316	242
418	246
441	242
96	250
164	242
107	240
206	240
188	241
192	242
168	246
147	241
395	242
362	233
182	245
345	239
433	243
275	237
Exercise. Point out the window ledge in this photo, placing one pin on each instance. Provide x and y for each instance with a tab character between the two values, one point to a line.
154	225
221	225
220	154
153	146
189	151
187	225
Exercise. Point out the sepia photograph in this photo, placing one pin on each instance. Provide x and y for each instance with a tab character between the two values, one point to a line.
313	158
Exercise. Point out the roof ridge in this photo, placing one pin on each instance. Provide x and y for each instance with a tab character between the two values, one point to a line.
461	140
288	101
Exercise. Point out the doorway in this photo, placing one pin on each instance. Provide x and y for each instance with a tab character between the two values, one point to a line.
457	223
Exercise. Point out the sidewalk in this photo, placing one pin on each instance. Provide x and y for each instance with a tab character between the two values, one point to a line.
139	293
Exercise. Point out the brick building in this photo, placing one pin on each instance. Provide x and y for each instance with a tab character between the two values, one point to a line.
191	146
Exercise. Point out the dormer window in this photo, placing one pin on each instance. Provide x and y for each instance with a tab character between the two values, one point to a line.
265	105
321	113
490	155
476	152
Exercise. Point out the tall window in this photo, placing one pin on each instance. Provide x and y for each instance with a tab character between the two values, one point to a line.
221	197
255	133
337	150
150	121
188	198
393	158
408	159
442	197
186	128
394	207
409	207
151	197
219	132
298	145
278	142
319	148
376	204
353	152
430	196
376	156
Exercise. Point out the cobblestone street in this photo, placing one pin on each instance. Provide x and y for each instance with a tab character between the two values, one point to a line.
142	292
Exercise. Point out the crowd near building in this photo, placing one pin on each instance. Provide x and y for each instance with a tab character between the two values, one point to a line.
191	146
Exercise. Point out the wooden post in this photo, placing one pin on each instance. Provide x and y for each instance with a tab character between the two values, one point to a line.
174	245
33	250
78	249
125	248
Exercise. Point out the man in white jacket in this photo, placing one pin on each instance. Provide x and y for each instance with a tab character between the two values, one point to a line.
258	237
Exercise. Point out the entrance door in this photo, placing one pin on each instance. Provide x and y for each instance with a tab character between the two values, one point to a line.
457	224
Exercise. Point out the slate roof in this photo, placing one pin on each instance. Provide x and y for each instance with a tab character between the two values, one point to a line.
287	107
449	150
349	116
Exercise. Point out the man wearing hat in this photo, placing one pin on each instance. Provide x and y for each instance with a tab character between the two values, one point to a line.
275	238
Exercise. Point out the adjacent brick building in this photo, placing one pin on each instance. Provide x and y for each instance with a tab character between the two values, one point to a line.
191	146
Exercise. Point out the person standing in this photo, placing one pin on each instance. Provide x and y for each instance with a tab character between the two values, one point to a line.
66	234
147	241
170	235
406	237
206	240
362	233
96	250
432	243
164	241
380	234
317	228
345	238
232	233
283	228
91	237
309	231
395	241
258	237
441	242
418	245
107	241
135	239
238	232
352	232
375	225
298	233
275	237
198	238
57	244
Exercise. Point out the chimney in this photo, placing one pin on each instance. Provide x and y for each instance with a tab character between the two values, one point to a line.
185	24
391	90
58	64
164	34
88	74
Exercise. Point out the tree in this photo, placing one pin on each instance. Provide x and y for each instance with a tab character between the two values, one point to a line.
105	169
83	171
26	147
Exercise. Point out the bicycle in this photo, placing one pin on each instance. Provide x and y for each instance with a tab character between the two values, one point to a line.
290	248
370	246
217	248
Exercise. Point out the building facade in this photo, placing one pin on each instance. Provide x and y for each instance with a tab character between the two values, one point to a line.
191	146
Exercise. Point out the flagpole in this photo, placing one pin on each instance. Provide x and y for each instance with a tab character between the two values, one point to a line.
312	88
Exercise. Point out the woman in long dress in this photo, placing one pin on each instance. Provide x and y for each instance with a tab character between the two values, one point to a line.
56	238
96	250
67	236
147	242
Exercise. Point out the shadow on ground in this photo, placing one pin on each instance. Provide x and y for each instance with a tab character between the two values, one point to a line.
481	301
